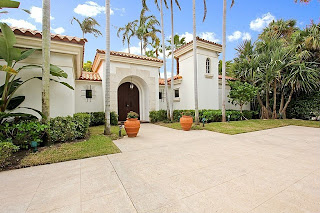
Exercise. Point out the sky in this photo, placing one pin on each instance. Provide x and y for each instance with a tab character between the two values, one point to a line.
245	20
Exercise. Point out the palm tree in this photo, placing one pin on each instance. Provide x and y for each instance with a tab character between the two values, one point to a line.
172	57
224	59
88	26
128	32
177	41
107	128
146	29
195	65
46	39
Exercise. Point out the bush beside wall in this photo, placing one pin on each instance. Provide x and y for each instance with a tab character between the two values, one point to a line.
97	118
209	115
6	150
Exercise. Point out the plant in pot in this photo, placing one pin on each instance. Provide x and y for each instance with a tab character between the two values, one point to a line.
132	124
186	121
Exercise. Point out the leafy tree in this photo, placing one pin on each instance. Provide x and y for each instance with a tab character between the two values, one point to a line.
228	68
241	93
129	31
87	66
177	43
88	25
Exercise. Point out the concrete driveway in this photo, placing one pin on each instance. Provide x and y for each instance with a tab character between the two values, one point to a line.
166	170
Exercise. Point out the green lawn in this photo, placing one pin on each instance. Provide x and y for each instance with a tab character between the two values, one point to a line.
96	145
237	127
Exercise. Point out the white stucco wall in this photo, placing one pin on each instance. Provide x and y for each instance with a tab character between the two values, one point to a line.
82	104
62	99
146	78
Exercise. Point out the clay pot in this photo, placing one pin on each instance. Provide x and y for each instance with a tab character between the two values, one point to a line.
132	126
186	122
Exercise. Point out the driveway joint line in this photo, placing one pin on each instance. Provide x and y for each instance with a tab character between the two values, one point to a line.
122	184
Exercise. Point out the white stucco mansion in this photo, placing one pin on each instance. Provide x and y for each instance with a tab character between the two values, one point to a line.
135	83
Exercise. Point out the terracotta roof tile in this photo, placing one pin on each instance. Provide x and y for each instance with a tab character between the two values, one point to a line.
161	80
55	37
90	76
198	39
128	55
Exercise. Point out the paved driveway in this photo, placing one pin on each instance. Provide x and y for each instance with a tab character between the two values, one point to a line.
166	170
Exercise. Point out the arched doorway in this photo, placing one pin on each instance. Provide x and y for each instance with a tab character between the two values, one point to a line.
128	100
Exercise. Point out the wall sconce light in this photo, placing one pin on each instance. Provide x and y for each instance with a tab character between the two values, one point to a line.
131	84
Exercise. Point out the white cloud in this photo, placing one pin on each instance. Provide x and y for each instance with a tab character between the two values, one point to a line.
134	49
58	30
90	8
246	36
210	36
19	23
236	35
36	14
260	23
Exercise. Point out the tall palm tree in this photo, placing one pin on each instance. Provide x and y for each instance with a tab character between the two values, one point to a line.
177	43
88	25
46	39
224	59
107	128
195	65
172	57
146	29
128	32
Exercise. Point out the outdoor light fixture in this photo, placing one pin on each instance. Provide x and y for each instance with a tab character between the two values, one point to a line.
120	127
229	118
131	84
203	121
34	145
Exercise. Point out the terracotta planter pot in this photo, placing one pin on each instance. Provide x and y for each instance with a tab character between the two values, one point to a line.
132	126
186	122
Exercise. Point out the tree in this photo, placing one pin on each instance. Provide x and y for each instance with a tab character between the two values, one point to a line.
46	39
88	25
241	93
224	36
146	29
10	4
228	68
107	127
177	43
128	32
87	66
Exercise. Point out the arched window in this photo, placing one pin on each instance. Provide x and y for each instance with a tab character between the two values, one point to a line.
208	65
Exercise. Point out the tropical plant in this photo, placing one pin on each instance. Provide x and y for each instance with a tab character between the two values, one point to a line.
88	25
177	43
12	82
128	32
228	68
6	151
87	66
241	93
146	29
132	114
107	125
10	4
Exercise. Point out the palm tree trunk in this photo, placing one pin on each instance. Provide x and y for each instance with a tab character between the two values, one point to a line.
141	46
129	46
268	102
46	39
164	60
195	65
107	130
172	62
223	108
274	110
284	110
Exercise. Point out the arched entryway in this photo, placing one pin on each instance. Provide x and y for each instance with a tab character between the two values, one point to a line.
128	100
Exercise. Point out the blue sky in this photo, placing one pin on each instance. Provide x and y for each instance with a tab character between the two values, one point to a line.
244	21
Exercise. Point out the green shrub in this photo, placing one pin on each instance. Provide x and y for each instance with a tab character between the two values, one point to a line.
97	118
6	150
69	128
208	115
22	132
304	106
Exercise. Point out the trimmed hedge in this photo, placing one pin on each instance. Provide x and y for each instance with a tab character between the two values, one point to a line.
97	118
62	129
209	115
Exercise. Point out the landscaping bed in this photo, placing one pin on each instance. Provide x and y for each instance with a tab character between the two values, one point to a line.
97	144
237	127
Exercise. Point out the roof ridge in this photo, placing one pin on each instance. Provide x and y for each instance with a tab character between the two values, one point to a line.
198	39
130	55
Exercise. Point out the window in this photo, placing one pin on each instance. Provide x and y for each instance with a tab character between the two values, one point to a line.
208	65
88	93
176	93
160	95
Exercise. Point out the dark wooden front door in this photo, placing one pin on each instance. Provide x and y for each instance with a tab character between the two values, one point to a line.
128	100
